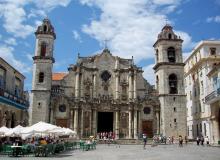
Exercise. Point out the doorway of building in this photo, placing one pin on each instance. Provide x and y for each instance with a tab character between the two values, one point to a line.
147	128
105	121
61	122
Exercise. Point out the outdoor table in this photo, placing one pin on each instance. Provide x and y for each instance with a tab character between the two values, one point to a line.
16	150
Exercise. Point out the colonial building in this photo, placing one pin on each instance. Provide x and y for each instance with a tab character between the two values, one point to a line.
169	71
99	93
201	85
13	99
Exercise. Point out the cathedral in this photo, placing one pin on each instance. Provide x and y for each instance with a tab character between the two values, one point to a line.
103	92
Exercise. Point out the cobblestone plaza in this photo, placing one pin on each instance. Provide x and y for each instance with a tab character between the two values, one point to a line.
136	152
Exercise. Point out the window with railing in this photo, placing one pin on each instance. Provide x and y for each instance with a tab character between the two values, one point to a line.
2	77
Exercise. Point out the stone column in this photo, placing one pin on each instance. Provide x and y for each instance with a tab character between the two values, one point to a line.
77	86
135	85
130	125
130	85
94	86
82	122
94	121
75	127
139	122
215	130
117	125
158	122
81	87
51	115
117	85
135	124
71	118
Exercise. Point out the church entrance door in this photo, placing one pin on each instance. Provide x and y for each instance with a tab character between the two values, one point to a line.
105	121
147	128
61	122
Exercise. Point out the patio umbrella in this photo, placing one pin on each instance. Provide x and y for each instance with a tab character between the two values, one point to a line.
68	131
41	128
4	130
57	131
15	131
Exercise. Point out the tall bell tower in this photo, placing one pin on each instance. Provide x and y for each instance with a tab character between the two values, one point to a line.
42	72
169	71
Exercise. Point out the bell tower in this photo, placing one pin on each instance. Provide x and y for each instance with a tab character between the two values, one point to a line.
169	71
42	72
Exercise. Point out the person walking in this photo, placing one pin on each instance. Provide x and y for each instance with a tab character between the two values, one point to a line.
197	140
186	140
145	140
207	140
202	140
180	141
172	139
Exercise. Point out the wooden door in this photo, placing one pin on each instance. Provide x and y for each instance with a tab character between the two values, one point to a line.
147	127
61	123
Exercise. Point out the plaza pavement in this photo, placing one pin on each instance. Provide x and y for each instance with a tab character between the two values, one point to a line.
136	152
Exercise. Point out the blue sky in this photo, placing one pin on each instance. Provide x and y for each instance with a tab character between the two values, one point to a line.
129	26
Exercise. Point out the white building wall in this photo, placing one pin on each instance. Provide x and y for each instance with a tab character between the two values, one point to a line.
198	65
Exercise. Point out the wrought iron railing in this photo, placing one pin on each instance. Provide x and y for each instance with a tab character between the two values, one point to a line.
212	95
20	100
56	91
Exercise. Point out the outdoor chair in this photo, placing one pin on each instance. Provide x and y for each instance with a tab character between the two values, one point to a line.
7	149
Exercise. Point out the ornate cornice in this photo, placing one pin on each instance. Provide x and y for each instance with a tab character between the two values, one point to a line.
43	58
167	64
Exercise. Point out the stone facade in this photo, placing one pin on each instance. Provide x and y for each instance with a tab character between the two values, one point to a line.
201	86
99	93
169	71
13	100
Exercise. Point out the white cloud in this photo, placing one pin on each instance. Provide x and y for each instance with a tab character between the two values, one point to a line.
149	74
0	36
11	41
29	57
14	17
6	53
15	14
188	44
35	12
51	4
76	36
131	26
213	19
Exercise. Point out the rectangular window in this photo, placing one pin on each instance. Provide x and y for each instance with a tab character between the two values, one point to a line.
202	87
212	51
2	78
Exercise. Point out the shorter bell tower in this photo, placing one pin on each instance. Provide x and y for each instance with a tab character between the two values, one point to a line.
169	71
42	73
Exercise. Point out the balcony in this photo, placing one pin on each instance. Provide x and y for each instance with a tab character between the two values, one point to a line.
213	96
10	99
57	91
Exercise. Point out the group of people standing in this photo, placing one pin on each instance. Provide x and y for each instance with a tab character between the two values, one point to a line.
201	140
158	139
106	136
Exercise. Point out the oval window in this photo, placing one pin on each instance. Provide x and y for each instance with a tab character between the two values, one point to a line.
62	108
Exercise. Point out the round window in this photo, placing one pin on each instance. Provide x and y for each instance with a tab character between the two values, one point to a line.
105	76
147	110
62	108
